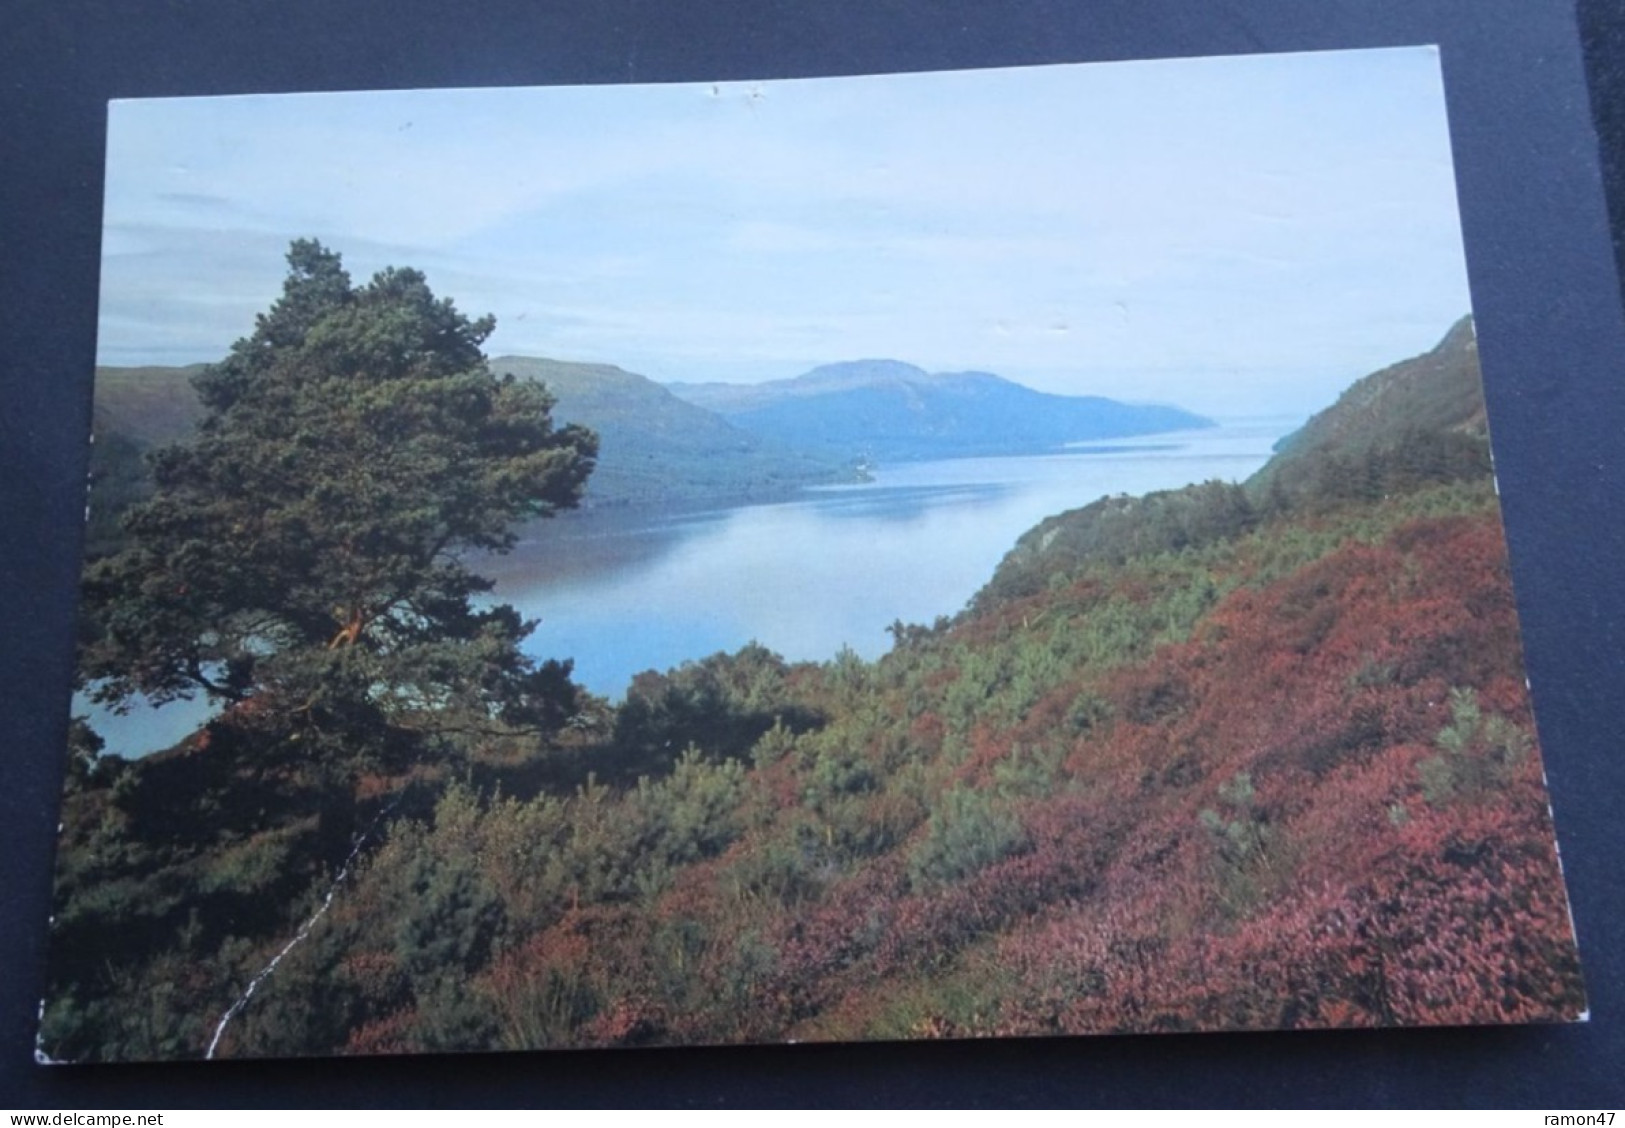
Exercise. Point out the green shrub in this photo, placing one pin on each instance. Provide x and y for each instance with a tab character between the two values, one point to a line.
1243	843
968	831
700	804
1476	753
448	917
1029	772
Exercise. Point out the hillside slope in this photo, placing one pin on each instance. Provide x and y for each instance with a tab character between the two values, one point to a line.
1439	393
655	448
1414	423
150	406
1223	765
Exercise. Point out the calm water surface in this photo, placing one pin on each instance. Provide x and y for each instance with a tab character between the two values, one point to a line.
621	593
833	567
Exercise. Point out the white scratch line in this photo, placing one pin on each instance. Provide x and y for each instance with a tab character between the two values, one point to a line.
304	931
40	1056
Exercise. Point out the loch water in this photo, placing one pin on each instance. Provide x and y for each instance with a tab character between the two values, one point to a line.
832	567
619	592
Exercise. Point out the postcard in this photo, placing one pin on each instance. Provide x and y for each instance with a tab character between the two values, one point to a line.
946	555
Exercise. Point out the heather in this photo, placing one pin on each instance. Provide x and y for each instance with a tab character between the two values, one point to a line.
1228	757
1283	779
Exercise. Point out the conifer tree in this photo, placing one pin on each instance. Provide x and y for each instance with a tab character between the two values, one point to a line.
304	560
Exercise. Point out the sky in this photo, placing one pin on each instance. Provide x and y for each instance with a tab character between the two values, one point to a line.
1239	236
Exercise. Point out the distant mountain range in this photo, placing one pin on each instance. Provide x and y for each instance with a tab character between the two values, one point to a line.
703	443
891	411
654	449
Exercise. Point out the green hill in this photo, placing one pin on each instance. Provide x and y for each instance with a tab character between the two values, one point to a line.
1412	424
658	449
1439	394
150	406
655	448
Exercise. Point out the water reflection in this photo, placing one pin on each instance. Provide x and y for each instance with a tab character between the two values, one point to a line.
834	567
620	591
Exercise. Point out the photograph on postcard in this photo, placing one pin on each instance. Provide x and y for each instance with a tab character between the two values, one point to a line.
982	553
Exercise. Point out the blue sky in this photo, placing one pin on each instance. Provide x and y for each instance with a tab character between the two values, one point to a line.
1237	235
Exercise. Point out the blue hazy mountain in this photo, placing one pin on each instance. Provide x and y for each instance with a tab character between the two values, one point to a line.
892	411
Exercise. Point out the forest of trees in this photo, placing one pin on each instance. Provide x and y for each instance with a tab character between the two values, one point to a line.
1235	756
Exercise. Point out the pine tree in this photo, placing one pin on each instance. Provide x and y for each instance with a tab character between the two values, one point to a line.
304	559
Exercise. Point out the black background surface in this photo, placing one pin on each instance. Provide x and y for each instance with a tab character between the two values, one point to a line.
1552	343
